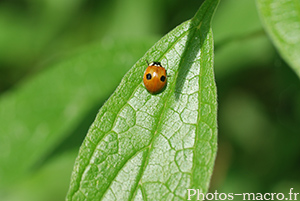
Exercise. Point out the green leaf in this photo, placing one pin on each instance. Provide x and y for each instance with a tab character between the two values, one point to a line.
43	111
30	188
282	22
155	147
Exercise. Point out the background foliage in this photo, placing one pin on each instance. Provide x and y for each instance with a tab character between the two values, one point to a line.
42	41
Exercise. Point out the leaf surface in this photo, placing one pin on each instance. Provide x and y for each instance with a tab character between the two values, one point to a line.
155	147
282	22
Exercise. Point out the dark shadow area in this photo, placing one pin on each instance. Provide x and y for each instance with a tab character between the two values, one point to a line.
195	39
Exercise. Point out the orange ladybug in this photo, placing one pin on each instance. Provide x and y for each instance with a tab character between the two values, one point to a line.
155	77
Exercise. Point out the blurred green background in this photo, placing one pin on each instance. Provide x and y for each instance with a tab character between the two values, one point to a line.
60	61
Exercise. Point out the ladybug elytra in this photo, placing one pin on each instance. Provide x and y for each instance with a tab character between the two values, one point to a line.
155	77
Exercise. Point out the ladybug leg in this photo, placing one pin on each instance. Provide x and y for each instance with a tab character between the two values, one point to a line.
168	74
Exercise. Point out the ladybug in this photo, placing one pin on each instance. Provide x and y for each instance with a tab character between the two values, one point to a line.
155	77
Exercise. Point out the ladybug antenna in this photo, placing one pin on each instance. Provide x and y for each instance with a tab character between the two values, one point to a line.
147	62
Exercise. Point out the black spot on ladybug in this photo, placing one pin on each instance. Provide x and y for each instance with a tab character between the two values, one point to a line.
148	76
